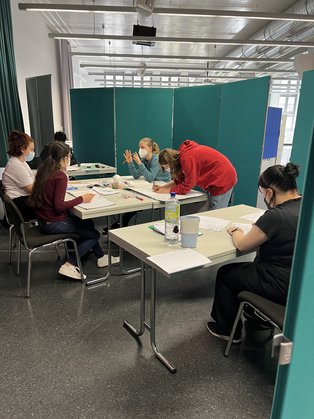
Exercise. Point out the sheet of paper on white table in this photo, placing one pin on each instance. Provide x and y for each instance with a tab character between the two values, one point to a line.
212	223
105	191
246	227
97	202
253	216
179	260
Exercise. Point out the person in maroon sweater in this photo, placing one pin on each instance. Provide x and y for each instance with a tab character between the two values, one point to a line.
198	165
48	199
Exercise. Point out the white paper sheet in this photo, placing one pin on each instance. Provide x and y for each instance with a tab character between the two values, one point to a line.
164	196
179	260
105	191
97	202
253	216
212	223
244	226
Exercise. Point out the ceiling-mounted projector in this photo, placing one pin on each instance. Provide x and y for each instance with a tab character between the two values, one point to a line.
144	7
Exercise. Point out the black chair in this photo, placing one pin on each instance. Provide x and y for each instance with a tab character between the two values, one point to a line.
30	236
7	222
264	309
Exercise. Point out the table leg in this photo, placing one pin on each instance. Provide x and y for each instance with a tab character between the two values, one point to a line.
121	253
128	326
158	354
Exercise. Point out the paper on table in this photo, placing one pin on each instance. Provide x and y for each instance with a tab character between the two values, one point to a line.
160	228
212	223
253	216
164	196
97	202
105	191
179	260
244	226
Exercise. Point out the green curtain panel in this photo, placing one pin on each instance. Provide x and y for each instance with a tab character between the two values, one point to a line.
10	108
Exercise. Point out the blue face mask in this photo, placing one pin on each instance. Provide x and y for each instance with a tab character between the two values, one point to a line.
30	156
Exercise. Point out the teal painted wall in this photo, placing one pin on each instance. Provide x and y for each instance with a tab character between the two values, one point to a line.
142	113
196	115
242	119
93	125
304	125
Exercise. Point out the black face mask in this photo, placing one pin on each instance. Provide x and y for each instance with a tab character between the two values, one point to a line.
273	199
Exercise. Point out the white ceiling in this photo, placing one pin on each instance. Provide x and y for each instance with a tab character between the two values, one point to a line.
182	27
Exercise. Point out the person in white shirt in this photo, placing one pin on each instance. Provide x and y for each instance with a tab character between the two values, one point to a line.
18	177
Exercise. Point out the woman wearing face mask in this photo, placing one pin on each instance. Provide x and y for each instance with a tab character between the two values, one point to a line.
147	162
273	235
18	177
48	198
199	165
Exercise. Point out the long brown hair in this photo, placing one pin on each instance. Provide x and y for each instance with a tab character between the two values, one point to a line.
57	151
171	157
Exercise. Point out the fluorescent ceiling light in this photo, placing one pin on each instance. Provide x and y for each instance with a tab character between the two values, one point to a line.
183	57
139	66
79	8
209	41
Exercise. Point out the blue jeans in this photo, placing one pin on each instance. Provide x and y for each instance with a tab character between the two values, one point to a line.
84	228
220	201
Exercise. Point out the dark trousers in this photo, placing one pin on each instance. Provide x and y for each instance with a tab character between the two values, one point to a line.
230	281
27	212
89	236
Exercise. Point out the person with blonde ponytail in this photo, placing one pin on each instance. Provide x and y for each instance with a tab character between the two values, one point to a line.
273	235
146	162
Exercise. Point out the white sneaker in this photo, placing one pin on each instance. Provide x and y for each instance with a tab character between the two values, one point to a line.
103	261
71	271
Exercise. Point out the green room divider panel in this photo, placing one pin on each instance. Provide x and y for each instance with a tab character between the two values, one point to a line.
93	125
196	115
242	119
142	113
304	125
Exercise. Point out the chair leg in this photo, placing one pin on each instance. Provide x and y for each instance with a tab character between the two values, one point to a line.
29	267
234	327
66	251
18	258
10	243
57	251
79	264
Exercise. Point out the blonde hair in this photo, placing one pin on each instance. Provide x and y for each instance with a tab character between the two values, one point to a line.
172	159
151	143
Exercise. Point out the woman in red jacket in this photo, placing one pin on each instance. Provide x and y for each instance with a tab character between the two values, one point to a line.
198	165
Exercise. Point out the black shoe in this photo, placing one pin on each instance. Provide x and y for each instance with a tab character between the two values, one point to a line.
113	226
211	327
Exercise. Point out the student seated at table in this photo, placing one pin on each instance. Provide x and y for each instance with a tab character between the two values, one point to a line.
198	165
18	177
48	198
273	235
146	164
58	136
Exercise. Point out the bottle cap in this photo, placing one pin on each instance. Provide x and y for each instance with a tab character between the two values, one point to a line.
172	194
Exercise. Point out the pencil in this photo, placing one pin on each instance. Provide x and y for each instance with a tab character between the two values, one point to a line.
124	162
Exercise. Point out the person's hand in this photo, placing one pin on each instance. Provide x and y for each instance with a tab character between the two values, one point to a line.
155	188
162	189
128	156
232	229
87	197
137	159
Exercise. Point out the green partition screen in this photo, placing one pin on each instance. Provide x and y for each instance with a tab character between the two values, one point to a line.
93	125
196	115
141	113
243	111
304	126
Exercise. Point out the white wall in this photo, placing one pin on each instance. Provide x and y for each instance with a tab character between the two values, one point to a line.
35	55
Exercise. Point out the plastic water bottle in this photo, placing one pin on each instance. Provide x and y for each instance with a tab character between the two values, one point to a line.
172	219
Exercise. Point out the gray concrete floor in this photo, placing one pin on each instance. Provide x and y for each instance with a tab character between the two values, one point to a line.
64	352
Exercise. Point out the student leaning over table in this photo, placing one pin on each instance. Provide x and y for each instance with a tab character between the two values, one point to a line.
273	235
48	198
147	162
198	165
18	177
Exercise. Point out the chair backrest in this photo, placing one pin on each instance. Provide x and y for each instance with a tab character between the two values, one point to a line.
14	216
6	218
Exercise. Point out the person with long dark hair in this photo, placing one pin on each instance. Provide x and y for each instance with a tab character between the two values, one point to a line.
48	198
18	177
273	235
198	165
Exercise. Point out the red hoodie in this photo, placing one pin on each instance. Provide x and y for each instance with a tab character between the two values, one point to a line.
205	167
